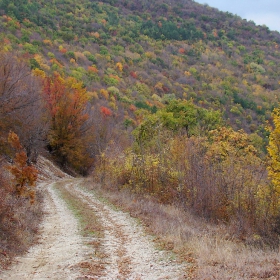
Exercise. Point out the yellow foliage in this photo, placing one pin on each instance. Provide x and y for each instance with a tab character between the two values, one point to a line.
159	86
92	95
7	48
47	42
274	151
257	89
113	105
39	73
72	61
119	66
80	56
105	93
150	55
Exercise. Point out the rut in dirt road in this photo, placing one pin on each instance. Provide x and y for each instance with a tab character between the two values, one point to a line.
60	247
130	252
125	251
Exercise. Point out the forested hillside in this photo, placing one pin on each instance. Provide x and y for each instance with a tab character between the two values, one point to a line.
151	52
168	98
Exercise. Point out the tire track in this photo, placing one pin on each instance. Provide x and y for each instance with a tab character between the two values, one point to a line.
130	253
124	252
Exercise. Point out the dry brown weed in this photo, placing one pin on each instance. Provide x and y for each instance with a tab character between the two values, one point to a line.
209	249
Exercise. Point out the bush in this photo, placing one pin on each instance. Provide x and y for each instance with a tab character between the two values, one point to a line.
219	177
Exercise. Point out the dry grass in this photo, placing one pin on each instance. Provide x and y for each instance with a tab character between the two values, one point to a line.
218	258
19	221
210	250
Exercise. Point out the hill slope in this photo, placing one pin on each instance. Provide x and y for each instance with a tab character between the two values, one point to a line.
146	53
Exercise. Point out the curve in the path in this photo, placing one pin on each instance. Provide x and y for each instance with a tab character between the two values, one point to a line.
130	252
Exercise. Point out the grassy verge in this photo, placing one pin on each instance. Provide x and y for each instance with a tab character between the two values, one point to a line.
90	227
19	225
211	252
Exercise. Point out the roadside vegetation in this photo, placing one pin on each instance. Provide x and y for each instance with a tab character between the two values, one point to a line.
211	250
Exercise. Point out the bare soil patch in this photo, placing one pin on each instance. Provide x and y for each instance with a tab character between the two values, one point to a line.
129	252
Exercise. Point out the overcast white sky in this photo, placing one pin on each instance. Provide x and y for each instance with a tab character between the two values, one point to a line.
260	11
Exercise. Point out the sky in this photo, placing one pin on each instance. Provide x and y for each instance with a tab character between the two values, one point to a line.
260	11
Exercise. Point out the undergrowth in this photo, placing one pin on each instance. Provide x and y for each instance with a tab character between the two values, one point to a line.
19	220
212	253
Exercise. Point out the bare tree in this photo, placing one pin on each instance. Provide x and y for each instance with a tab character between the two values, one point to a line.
21	107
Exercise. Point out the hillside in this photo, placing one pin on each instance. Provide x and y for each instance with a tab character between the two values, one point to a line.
146	53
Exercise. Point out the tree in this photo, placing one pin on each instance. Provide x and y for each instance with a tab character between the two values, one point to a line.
67	101
274	151
25	175
20	104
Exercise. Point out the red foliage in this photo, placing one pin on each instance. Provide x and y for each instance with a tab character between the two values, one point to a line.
105	111
133	74
165	89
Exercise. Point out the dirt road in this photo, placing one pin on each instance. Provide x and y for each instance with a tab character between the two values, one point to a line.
128	253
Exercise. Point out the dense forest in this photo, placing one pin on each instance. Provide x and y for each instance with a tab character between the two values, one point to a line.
168	98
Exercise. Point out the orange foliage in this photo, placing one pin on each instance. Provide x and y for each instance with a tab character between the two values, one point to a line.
55	61
92	69
7	18
215	34
181	50
63	50
47	42
132	108
25	175
95	34
115	77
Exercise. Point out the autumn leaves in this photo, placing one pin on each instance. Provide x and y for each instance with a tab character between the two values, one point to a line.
66	101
